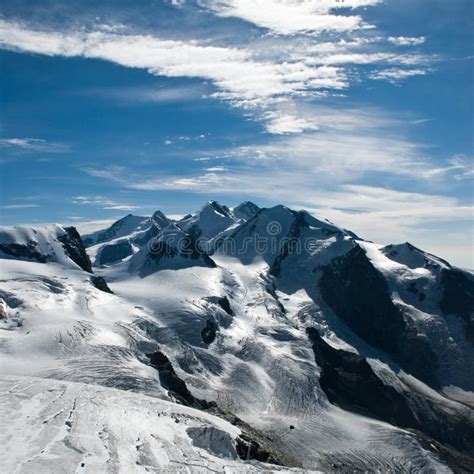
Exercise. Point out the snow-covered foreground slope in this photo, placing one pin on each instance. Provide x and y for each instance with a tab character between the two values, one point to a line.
57	325
333	352
59	427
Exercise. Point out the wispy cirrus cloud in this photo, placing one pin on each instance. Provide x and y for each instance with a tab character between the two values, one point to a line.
460	167
389	215
19	206
150	94
396	75
346	145
33	144
103	202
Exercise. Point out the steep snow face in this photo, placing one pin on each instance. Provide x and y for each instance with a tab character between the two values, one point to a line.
245	210
44	244
172	248
210	221
50	426
437	300
124	238
413	258
114	252
126	226
160	220
292	244
59	325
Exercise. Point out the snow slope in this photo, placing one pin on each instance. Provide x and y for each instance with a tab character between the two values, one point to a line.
299	328
56	427
126	226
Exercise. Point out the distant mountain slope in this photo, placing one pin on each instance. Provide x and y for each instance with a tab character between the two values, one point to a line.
129	224
44	244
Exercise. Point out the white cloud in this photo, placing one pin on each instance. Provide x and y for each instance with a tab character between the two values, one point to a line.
19	206
243	77
288	17
33	144
407	40
194	183
159	95
87	227
463	167
119	207
111	172
395	75
346	144
280	124
103	202
340	58
387	215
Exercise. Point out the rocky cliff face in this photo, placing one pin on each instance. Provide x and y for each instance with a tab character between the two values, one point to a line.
74	248
458	298
115	252
359	295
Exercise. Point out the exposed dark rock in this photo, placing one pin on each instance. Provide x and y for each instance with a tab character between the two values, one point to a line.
29	251
271	291
359	295
100	283
151	233
413	289
246	210
188	248
220	209
87	241
113	253
252	444
74	248
458	462
176	386
349	382
291	243
224	303
208	334
160	219
458	298
248	449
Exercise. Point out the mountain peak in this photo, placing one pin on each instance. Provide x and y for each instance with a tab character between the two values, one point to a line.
245	210
413	257
217	207
160	219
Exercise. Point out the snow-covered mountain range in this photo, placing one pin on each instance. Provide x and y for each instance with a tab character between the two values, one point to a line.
238	339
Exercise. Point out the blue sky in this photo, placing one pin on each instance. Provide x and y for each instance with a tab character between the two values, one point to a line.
360	111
